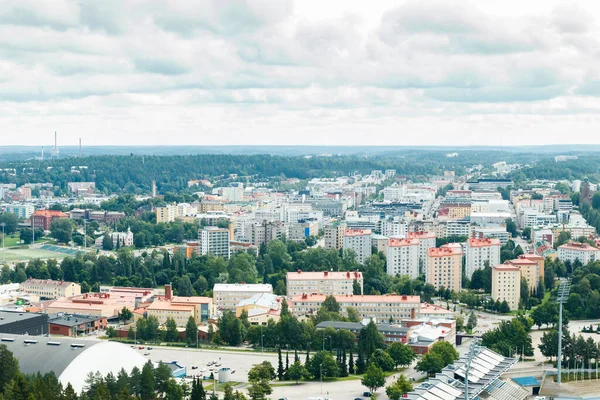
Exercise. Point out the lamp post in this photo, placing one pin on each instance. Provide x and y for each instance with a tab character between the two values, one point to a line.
85	234
321	376
324	339
3	255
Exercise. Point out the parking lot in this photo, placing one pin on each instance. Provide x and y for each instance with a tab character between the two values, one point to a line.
191	357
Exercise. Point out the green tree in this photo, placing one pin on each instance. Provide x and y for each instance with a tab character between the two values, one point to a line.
259	377
472	321
9	366
399	388
147	382
11	221
430	363
504	308
356	288
369	340
360	363
549	344
107	243
401	353
191	330
353	314
323	361
383	360
280	370
62	230
125	314
171	333
446	351
331	305
228	392
295	371
185	287
373	378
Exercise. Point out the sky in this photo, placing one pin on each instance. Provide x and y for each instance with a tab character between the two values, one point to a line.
307	72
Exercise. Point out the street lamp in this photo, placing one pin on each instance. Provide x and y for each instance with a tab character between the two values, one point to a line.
324	339
3	255
321	376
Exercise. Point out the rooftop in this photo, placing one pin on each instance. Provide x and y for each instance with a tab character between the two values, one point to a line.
444	251
46	282
261	300
357	232
395	242
388	298
50	213
72	319
421	235
192	299
243	287
8	317
357	326
473	242
324	275
578	246
167	305
506	267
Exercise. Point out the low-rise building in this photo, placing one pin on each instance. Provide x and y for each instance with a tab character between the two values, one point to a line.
49	289
583	252
260	308
162	309
23	323
326	282
226	296
102	304
384	307
43	218
75	325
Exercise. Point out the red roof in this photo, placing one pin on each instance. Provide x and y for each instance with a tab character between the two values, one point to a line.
50	213
393	242
474	242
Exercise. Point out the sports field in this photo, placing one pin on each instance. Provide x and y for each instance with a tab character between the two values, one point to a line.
28	254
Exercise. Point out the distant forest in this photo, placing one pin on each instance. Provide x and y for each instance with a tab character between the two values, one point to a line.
134	173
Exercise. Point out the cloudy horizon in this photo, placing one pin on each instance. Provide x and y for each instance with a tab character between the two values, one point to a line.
284	72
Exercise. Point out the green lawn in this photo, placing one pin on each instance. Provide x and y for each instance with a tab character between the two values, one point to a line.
12	240
28	254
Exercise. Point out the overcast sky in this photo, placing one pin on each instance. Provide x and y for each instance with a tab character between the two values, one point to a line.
313	72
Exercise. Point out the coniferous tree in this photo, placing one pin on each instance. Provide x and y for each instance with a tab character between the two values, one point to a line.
351	363
307	356
147	382
280	370
287	362
360	363
296	358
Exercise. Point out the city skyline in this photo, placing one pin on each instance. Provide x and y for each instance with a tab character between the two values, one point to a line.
299	73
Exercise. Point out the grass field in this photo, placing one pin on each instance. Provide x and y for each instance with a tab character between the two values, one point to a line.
28	254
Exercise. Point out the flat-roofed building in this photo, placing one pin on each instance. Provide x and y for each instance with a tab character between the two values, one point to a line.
529	271
402	257
358	240
506	285
383	308
214	241
74	325
481	252
163	309
260	308
50	289
444	267
166	213
334	236
104	304
226	296
203	306
22	210
23	323
43	218
325	282
583	252
426	242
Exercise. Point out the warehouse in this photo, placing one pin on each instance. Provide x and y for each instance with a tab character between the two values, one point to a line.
23	323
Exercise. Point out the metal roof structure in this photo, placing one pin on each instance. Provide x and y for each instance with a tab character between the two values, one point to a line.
70	359
486	367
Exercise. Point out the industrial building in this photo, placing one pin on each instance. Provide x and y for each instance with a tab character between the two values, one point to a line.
23	323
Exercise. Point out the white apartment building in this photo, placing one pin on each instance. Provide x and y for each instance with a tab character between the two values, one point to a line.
233	193
403	257
506	285
22	210
458	228
184	209
491	232
119	239
583	252
167	213
532	218
426	242
226	296
396	227
394	192
334	236
214	241
382	308
326	282
358	240
47	288
479	252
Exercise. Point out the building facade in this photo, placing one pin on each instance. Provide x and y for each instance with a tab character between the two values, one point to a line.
22	210
358	240
226	296
214	241
49	289
43	218
326	282
481	252
166	213
506	285
402	257
583	252
444	267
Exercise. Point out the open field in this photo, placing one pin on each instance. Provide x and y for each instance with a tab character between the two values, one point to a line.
28	254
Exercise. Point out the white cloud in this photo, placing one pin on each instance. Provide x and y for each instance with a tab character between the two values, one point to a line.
275	71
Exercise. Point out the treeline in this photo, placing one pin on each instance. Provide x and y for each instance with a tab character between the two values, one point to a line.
548	168
133	174
577	351
146	384
510	338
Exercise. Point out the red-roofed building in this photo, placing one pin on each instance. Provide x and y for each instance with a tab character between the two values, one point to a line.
403	257
480	252
506	284
444	267
382	308
43	218
324	282
358	240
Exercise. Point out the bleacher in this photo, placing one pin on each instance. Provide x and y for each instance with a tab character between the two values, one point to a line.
61	249
505	390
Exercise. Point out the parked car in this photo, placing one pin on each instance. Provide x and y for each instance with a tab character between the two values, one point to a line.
149	348
141	347
232	370
146	354
194	367
367	394
358	398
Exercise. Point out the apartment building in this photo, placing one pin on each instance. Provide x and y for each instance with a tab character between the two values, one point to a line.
426	242
403	257
166	213
43	218
326	282
163	309
529	270
538	259
506	285
583	252
334	236
395	227
214	241
480	252
444	267
226	296
22	210
380	242
265	232
358	240
49	289
454	211
458	228
383	308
